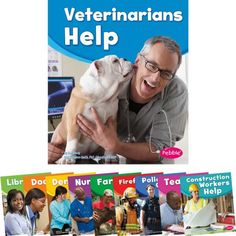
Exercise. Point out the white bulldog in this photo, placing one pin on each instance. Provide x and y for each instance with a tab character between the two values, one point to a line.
99	88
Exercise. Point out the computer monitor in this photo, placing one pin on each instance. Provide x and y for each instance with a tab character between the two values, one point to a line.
59	90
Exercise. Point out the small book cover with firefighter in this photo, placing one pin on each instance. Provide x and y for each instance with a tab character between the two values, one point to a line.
208	203
126	205
117	82
103	204
150	217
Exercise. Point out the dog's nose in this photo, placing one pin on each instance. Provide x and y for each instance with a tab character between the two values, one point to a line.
124	59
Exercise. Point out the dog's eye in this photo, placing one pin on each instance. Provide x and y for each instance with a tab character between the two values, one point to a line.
115	60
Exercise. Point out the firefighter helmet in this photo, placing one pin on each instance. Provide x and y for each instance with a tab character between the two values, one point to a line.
130	193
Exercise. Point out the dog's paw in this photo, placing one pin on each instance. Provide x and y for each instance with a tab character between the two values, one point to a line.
64	161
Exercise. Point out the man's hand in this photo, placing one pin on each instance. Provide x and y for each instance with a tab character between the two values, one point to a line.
102	134
54	153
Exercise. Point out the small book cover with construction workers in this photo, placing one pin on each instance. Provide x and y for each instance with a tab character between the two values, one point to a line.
150	217
207	203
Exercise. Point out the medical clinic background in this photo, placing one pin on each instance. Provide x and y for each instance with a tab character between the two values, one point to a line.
23	96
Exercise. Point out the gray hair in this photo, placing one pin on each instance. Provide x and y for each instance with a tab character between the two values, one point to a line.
168	43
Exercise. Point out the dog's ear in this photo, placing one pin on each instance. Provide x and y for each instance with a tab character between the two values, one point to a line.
98	66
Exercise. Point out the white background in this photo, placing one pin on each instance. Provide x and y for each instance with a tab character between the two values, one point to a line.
23	93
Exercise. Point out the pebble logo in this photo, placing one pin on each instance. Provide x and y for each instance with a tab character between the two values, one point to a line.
171	152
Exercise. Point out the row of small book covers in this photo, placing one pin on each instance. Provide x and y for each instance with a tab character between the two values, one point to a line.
114	203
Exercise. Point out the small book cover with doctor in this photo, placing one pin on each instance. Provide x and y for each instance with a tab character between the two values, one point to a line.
208	203
32	184
117	82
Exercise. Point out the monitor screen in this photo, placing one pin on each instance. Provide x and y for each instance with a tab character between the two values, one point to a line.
59	90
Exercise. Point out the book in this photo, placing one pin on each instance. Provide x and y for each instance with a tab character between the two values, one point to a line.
126	204
207	198
103	203
150	217
80	33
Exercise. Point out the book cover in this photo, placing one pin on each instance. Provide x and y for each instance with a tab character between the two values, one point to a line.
39	182
103	203
79	187
207	199
126	204
150	217
154	117
17	182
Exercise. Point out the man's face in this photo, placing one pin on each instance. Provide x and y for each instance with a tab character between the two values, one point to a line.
151	191
107	199
175	203
132	201
81	196
147	84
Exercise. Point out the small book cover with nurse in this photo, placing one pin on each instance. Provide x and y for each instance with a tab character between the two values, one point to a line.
117	82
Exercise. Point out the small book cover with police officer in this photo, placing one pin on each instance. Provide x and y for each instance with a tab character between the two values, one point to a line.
103	204
207	203
117	88
150	217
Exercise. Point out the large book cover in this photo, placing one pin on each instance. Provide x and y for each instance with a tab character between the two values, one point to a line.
138	97
208	203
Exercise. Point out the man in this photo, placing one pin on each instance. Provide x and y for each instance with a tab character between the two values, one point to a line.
171	212
127	214
150	214
82	212
105	210
152	109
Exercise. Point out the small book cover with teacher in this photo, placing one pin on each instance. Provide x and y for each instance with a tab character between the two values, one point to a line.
117	82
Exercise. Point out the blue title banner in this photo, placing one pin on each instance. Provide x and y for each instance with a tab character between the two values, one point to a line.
209	186
87	30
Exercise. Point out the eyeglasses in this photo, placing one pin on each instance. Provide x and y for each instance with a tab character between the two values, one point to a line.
165	74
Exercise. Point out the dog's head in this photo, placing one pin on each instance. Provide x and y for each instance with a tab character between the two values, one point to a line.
103	77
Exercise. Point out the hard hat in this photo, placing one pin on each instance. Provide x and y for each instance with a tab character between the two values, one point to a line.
130	192
193	187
